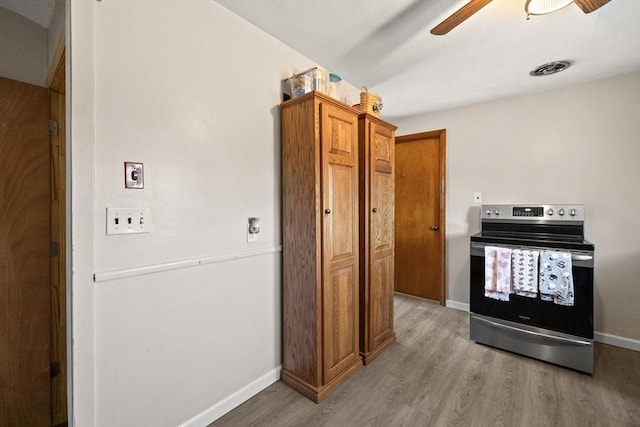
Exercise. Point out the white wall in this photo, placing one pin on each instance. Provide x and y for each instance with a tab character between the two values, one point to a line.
55	30
574	145
191	91
27	48
23	49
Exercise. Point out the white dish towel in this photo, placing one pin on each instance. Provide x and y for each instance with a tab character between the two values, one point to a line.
497	271
524	268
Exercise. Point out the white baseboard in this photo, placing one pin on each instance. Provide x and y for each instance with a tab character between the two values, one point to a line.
617	341
211	414
602	337
457	305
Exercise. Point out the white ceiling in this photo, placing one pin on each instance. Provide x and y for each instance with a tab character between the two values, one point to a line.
386	46
38	11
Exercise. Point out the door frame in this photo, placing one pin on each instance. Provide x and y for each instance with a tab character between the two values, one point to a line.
60	349
441	135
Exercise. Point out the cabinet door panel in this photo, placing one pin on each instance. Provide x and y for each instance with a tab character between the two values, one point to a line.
340	233
340	333
382	234
381	294
339	187
382	219
383	147
341	132
339	225
382	190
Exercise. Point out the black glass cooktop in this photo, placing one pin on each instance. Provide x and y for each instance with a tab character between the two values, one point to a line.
537	240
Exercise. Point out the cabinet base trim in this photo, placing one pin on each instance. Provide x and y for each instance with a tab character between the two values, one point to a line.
317	394
367	357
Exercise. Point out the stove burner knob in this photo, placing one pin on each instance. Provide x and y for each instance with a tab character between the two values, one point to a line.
550	212
497	211
561	212
573	212
488	212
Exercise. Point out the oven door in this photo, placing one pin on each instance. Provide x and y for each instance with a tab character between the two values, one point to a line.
576	320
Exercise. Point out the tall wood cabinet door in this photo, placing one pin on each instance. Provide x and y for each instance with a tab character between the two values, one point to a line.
339	140
381	233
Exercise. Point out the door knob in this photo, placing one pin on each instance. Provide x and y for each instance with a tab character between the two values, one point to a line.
435	227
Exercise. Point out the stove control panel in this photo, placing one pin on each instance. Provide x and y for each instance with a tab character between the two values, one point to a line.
536	211
539	213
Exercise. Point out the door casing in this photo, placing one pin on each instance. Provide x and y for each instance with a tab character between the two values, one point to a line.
57	110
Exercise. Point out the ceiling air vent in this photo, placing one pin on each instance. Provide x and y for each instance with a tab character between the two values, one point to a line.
550	68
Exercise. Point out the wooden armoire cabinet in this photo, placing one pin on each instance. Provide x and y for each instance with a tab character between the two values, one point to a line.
376	176
320	244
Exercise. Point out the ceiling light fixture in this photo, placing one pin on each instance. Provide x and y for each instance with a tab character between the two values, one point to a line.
543	7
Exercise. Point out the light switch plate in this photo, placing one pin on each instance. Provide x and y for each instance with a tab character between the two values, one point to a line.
128	220
133	175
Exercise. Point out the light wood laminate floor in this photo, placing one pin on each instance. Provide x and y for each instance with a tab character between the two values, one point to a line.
435	376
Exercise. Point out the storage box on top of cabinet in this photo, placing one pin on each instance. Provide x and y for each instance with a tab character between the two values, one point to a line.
320	244
314	79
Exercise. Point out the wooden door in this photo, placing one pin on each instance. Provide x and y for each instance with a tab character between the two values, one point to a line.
25	299
339	147
381	234
420	215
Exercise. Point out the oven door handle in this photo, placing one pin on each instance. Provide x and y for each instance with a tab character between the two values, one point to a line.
578	257
537	334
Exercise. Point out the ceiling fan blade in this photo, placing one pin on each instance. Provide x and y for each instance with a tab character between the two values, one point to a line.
589	6
463	14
